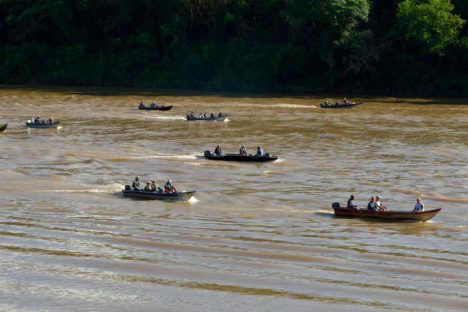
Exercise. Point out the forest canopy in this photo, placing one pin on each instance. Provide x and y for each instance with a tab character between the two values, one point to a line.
404	47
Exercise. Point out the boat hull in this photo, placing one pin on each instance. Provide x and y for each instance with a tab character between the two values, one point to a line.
3	127
160	108
238	157
42	125
222	118
350	105
179	196
386	215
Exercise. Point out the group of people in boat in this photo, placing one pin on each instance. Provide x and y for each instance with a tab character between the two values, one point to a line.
151	186
204	115
375	204
42	121
242	151
152	105
328	102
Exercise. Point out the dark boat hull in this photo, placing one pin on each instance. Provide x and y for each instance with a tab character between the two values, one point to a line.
238	157
350	105
160	108
189	118
386	215
42	125
179	196
3	127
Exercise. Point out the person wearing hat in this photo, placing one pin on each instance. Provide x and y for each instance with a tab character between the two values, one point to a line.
136	184
147	187
372	205
419	207
169	188
379	205
243	151
218	151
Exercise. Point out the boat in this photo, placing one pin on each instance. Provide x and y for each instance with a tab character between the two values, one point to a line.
386	215
3	127
239	157
176	196
159	107
341	105
42	125
207	118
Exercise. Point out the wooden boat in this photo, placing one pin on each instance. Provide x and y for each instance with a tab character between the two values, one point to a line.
386	215
239	157
207	118
159	107
40	125
178	196
3	127
341	105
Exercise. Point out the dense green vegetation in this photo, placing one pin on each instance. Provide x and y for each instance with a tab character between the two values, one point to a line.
411	47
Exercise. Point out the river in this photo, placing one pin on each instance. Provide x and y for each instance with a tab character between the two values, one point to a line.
256	237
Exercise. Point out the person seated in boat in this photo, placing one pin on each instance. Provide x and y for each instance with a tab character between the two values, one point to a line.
326	102
260	151
169	188
379	205
351	204
337	103
345	101
204	115
191	114
36	120
142	104
220	114
153	105
371	205
147	187
136	184
419	207
50	120
212	115
218	151
243	151
200	116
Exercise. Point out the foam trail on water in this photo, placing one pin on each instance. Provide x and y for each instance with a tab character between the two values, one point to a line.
166	117
193	200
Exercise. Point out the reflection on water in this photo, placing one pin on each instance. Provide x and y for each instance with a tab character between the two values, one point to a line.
257	236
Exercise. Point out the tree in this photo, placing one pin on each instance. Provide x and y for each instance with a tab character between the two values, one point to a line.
430	23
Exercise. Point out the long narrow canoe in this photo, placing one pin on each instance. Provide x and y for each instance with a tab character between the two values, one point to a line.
160	108
3	127
178	196
40	125
208	118
239	157
349	105
386	215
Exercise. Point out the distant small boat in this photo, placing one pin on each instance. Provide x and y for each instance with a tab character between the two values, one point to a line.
42	125
176	196
155	107
386	215
341	105
239	157
3	127
207	118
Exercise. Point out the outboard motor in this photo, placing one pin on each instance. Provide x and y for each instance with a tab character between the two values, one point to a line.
336	205
128	188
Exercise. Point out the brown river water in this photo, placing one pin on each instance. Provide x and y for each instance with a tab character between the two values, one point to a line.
256	237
